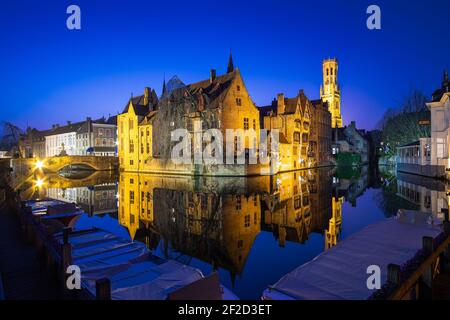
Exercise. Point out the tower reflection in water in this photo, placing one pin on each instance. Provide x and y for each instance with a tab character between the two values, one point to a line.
217	220
253	229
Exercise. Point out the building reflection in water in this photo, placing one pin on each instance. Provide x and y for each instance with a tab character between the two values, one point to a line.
428	195
97	199
95	193
217	220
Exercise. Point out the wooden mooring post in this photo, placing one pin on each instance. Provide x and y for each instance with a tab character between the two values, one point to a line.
103	289
426	280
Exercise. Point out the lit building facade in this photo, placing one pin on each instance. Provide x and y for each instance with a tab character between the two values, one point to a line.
292	118
147	125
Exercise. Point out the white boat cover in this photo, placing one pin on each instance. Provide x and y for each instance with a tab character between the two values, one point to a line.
133	271
341	272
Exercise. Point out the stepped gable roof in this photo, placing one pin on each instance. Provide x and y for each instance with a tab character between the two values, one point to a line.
290	105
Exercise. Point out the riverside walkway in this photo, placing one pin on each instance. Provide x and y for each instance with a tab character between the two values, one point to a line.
23	275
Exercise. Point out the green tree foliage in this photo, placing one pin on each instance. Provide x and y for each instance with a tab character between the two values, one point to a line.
348	159
402	125
405	128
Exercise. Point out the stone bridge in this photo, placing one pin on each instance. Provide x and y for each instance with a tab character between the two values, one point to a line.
55	164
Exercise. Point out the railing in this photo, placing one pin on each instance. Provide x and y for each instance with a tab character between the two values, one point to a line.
414	280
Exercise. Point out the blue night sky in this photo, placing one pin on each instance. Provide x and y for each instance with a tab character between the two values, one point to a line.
50	74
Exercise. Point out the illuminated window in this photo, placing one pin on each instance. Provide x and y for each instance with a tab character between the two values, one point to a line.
247	221
238	203
246	124
131	146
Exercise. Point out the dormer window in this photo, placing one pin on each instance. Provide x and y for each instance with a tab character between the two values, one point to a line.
238	102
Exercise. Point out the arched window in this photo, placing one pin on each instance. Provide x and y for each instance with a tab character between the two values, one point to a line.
331	71
327	72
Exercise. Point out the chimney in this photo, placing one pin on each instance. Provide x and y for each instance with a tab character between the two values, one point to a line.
146	95
69	122
280	104
88	119
212	77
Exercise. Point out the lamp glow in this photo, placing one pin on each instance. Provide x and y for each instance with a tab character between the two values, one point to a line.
39	183
39	164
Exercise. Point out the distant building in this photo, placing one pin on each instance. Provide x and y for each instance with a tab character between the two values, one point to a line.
330	91
97	138
351	139
61	140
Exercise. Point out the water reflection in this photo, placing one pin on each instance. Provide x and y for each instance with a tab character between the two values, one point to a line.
253	230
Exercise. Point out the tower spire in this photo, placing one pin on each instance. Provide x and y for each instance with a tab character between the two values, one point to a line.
445	78
164	89
230	64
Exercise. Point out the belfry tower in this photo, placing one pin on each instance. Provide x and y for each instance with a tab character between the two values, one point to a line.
330	91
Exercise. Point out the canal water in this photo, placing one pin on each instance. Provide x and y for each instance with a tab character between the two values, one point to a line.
251	230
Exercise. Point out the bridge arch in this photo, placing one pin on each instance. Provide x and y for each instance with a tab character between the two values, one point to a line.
56	164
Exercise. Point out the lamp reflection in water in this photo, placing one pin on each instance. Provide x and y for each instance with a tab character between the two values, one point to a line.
39	164
39	183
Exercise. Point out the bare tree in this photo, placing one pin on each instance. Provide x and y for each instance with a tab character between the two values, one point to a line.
10	135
